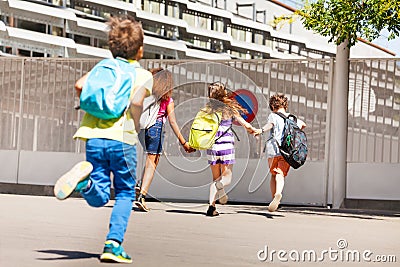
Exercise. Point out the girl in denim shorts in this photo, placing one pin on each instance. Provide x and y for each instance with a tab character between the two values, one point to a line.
153	137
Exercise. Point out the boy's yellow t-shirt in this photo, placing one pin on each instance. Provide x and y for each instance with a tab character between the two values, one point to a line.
120	129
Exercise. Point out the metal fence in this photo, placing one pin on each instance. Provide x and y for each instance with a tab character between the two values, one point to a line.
37	100
374	111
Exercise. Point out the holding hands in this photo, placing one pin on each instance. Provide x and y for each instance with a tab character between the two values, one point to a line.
188	148
257	132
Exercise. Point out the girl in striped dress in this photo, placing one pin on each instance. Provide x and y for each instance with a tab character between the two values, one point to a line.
221	156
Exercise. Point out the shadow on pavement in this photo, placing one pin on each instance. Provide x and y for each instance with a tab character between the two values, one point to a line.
265	214
355	214
67	255
187	212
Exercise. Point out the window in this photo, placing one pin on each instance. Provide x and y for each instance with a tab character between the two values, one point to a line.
268	43
153	7
240	54
218	46
153	28
295	49
103	44
258	56
171	32
57	31
204	23
79	39
258	39
238	35
218	25
248	37
57	2
241	34
201	43
173	11
32	26
190	19
28	53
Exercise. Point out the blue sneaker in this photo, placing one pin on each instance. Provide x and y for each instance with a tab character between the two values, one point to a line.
76	179
114	252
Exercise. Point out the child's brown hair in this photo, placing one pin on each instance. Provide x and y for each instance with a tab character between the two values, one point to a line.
221	100
163	83
125	36
278	101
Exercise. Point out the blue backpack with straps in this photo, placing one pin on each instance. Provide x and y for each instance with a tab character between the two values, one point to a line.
107	89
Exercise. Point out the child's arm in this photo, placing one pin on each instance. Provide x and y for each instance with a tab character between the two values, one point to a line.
264	129
267	127
249	128
175	127
136	106
301	124
79	84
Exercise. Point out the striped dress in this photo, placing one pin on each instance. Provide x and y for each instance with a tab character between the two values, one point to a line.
223	151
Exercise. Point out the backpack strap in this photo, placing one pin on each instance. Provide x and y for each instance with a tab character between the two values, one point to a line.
226	131
219	120
280	114
133	76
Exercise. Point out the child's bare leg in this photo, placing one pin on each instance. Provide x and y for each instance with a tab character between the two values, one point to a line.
280	183
272	185
216	173
276	191
226	178
151	165
148	175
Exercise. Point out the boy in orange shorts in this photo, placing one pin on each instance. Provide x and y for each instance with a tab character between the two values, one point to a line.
278	166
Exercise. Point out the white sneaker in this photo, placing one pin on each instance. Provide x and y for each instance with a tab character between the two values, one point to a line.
221	195
275	202
67	183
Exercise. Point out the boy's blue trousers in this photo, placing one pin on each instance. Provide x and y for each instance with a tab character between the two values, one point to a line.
108	156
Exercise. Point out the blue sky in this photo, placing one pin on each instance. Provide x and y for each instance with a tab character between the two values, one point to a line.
393	45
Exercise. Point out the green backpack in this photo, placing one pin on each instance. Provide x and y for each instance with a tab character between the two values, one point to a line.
204	129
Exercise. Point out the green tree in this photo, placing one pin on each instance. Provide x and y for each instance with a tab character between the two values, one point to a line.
342	20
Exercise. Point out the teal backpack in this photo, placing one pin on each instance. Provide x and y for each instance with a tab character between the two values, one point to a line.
108	87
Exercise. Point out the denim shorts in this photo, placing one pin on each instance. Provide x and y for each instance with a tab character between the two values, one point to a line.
152	138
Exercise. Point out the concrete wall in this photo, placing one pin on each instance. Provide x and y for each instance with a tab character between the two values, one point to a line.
373	181
250	182
305	186
250	177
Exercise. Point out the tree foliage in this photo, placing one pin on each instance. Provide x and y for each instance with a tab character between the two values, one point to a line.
350	19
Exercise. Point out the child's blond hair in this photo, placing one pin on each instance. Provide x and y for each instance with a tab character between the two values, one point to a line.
222	101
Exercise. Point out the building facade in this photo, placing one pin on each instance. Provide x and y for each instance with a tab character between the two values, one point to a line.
174	29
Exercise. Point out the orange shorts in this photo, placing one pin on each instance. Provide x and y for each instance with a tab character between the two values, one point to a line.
278	165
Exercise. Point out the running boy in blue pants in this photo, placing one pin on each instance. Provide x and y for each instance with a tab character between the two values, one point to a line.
111	144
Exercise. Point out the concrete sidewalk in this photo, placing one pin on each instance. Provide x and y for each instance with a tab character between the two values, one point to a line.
42	231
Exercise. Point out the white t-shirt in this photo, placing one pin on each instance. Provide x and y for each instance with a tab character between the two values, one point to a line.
277	132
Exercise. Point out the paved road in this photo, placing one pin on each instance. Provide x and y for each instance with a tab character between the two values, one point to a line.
42	231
